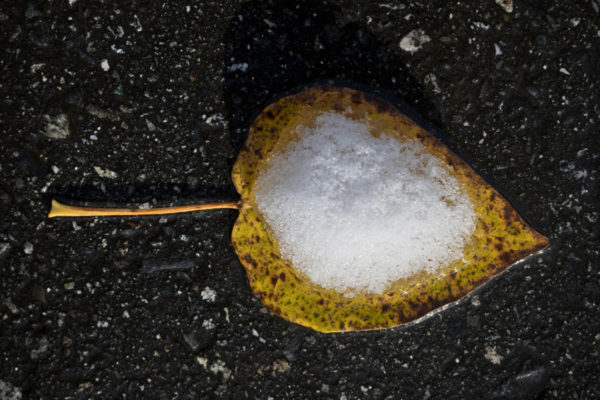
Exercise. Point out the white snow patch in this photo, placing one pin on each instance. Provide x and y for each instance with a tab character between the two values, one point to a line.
356	212
414	40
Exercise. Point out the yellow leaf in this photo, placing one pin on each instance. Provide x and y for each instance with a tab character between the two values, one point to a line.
501	237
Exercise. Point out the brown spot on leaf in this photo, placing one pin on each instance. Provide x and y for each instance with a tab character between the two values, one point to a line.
508	212
506	258
248	258
356	98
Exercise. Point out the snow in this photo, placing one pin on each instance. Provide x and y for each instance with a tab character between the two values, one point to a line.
355	212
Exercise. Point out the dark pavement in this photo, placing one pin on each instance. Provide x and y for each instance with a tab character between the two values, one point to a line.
133	102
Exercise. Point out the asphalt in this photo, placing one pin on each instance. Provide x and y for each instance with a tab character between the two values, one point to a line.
133	102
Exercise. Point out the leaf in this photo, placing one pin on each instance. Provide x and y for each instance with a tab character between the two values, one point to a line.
501	237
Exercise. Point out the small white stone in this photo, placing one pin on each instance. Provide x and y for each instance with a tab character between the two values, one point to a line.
104	64
208	294
58	127
414	40
238	67
28	248
37	67
564	71
497	49
507	5
105	172
481	25
102	324
219	366
208	324
492	356
202	361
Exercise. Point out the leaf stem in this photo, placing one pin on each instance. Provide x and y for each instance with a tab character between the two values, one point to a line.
64	210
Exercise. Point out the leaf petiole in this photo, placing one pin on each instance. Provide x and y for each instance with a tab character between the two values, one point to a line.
64	210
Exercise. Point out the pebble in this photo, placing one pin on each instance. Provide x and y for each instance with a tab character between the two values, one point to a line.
31	11
208	324
238	67
9	391
28	248
507	5
191	340
57	127
219	366
414	41
564	71
527	384
104	64
492	356
208	294
4	248
105	172
41	349
200	338
152	266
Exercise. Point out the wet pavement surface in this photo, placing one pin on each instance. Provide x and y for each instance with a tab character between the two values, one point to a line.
133	102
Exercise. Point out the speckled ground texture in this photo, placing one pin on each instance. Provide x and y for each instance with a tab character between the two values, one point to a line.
158	97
